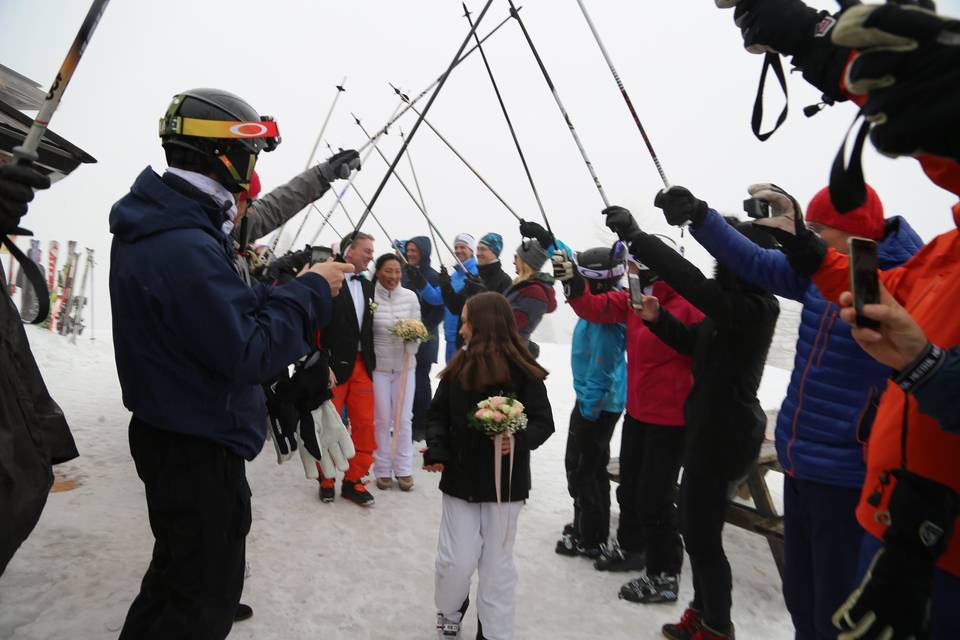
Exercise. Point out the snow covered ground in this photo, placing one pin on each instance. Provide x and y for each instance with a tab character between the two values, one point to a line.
325	571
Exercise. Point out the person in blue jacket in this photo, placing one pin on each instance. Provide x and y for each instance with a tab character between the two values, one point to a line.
417	274
193	344
464	246
834	390
600	381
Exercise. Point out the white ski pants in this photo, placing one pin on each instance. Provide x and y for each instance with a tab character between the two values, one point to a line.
471	538
386	391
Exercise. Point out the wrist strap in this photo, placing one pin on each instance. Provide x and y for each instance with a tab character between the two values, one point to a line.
923	367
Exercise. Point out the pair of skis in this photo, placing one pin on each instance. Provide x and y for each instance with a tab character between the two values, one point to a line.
66	304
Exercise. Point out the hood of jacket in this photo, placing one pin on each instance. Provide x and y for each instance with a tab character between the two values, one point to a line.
900	242
426	252
155	205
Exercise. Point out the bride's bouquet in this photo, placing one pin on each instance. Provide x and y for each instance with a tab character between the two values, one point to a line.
499	415
410	331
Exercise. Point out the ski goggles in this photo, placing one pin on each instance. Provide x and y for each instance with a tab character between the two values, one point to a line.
618	256
264	134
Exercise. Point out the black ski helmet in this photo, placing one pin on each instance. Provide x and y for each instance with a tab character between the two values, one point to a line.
602	267
219	132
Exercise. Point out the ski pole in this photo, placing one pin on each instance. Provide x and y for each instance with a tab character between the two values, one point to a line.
375	219
563	111
416	125
623	92
342	206
26	152
433	84
326	218
405	188
313	152
513	133
462	159
416	182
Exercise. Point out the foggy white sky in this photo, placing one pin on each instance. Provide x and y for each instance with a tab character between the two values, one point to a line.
681	61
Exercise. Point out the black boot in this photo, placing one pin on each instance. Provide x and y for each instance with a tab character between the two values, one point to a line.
244	612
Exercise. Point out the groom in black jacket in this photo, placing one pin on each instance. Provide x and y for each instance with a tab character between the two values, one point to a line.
349	341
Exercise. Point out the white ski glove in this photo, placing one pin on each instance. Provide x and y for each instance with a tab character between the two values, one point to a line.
326	441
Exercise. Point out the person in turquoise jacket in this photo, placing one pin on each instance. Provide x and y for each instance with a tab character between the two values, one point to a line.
600	381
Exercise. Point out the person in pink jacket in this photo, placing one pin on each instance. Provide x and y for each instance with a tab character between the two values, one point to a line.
651	447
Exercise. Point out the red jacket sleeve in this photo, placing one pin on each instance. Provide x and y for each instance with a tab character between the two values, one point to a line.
612	307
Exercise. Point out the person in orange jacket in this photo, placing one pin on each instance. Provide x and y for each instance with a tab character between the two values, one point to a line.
900	65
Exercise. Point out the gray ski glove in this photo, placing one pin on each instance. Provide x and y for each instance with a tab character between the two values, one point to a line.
339	165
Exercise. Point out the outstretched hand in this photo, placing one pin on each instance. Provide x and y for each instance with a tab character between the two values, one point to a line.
898	341
649	308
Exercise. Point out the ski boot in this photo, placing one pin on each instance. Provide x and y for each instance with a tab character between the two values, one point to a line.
706	633
449	628
689	625
244	612
651	590
328	491
356	492
613	558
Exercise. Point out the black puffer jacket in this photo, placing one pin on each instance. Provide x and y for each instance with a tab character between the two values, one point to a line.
467	454
725	423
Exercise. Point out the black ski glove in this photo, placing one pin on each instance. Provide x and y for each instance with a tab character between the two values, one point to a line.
790	27
534	230
680	206
284	416
908	66
473	285
444	277
17	183
804	249
892	601
415	277
621	222
339	165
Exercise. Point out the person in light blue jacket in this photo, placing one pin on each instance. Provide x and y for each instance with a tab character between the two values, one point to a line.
600	381
825	419
464	246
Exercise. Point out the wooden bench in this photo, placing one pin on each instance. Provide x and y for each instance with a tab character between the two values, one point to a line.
761	518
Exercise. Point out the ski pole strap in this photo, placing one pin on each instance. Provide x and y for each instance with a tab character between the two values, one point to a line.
770	61
34	276
847	187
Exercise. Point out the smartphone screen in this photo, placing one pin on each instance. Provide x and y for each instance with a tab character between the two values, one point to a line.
864	282
636	290
320	254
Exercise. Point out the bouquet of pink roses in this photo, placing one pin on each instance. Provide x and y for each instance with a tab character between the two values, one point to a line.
499	415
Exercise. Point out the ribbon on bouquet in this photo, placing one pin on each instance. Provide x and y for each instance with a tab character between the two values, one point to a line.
398	403
497	480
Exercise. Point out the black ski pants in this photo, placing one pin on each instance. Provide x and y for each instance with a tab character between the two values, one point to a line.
423	394
703	509
650	457
198	502
587	455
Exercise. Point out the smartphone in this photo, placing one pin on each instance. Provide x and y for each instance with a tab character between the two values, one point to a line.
636	290
320	254
756	208
864	280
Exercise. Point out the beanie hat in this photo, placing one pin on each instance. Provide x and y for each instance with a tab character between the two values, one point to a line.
866	220
494	242
467	239
532	253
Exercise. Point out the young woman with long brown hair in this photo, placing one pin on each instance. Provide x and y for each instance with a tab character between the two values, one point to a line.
478	526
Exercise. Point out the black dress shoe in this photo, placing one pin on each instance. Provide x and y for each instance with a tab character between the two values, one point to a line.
244	612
